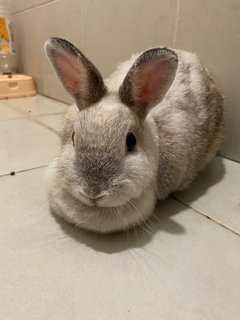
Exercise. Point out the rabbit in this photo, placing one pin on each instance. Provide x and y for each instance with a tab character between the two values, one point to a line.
132	139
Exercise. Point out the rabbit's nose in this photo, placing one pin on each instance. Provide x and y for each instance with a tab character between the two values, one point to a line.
92	197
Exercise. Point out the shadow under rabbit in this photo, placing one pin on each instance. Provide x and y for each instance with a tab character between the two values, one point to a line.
210	176
162	220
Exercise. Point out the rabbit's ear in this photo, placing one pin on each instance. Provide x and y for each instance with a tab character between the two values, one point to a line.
78	75
149	79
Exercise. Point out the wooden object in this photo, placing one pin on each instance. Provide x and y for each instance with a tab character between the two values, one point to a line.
16	85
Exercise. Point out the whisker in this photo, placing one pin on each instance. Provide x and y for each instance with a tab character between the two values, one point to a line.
116	209
135	232
162	222
153	254
145	260
142	220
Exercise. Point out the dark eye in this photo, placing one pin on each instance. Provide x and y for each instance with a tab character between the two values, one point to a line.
73	137
131	141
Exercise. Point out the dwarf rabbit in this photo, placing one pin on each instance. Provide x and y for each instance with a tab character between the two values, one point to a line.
133	138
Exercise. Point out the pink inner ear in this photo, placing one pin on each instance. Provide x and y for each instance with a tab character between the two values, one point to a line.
149	82
72	74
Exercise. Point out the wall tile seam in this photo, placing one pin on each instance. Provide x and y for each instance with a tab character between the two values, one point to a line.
176	23
48	2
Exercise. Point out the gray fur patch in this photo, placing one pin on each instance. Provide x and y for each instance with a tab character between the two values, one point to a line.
98	161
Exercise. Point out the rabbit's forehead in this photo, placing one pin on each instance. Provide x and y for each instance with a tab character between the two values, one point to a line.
111	107
109	118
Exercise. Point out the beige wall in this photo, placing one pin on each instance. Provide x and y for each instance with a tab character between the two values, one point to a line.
108	31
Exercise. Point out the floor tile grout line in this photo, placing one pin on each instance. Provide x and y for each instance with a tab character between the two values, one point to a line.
208	217
45	126
29	115
33	119
47	114
68	104
15	118
23	170
8	104
226	157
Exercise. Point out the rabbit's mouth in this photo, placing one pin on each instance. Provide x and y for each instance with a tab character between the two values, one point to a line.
103	200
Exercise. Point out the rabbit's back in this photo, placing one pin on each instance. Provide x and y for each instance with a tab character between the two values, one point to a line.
190	123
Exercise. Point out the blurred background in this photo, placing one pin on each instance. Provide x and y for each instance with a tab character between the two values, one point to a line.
108	32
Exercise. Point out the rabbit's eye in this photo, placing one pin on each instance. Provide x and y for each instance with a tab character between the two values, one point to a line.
131	141
73	137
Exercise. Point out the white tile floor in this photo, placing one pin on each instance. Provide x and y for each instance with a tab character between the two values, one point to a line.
186	265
